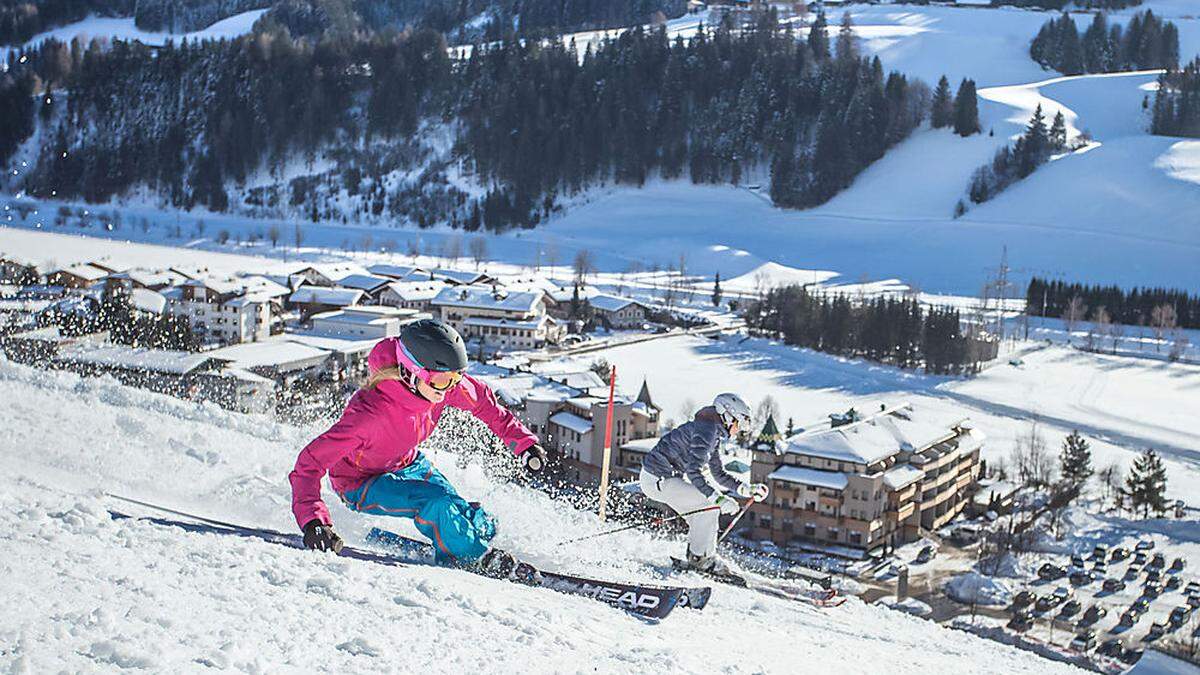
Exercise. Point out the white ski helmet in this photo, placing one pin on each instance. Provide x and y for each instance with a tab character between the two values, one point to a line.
732	409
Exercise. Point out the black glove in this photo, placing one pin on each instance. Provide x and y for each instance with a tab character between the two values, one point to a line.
534	458
320	537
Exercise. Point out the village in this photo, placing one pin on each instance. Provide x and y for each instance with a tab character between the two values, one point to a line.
888	502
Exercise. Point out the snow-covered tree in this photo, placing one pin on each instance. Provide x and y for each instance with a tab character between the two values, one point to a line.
1075	459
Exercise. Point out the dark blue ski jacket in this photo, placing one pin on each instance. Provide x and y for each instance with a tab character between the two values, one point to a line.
688	448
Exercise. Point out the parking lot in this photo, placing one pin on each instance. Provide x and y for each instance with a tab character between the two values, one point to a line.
1064	606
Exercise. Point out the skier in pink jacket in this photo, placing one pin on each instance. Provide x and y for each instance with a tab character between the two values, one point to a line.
371	452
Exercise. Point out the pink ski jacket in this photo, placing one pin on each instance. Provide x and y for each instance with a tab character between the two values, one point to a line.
380	430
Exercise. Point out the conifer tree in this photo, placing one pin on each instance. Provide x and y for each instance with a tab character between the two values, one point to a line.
1146	484
1058	133
818	37
966	109
716	296
1075	460
942	107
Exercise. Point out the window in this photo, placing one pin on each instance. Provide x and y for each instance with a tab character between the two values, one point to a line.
810	530
833	534
856	538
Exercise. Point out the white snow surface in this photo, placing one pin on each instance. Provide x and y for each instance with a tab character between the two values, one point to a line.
973	587
101	595
123	28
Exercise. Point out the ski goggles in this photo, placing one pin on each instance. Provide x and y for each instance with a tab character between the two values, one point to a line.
442	380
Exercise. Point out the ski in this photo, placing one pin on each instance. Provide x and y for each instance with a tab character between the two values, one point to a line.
822	598
645	600
649	600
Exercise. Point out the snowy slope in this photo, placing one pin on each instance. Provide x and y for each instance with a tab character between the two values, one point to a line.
1122	405
123	28
100	595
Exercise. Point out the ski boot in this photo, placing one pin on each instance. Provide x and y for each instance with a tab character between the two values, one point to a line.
709	564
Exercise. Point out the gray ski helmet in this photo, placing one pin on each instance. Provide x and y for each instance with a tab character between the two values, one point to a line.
434	345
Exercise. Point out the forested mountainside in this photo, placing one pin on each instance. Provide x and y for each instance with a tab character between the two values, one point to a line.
387	126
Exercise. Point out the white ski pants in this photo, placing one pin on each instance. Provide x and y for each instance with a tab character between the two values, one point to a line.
682	496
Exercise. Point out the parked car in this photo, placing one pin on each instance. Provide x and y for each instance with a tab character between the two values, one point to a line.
1173	583
1077	561
1157	630
1050	572
926	554
1193	601
1092	615
1193	587
1132	573
1151	590
1145	545
1024	599
1021	622
1110	647
1158	562
1081	578
1140	557
1153	576
1128	618
1100	552
1113	585
1070	608
1118	554
1100	569
1085	641
1045	603
1140	606
1179	615
1178	565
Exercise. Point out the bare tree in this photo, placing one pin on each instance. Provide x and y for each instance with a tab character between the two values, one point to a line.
1075	311
583	265
298	236
413	248
551	252
1116	332
273	235
1110	480
367	242
452	248
1178	346
1033	465
478	247
767	407
1162	320
1100	326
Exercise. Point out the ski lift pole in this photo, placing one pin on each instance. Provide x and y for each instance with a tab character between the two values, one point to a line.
608	424
654	521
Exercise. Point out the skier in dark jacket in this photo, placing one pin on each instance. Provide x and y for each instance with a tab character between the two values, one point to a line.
674	473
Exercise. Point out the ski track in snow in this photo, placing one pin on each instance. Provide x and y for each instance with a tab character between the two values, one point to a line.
98	594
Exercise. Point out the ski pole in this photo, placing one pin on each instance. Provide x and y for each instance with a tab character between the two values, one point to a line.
654	521
729	528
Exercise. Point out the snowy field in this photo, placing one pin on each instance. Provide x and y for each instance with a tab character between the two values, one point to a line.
1122	211
1122	405
123	28
98	595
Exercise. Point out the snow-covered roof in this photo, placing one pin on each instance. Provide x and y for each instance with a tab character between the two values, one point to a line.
584	402
363	282
834	480
221	286
150	278
641	444
148	300
323	295
902	475
571	421
365	315
86	272
504	323
332	271
484	298
278	351
458	276
580	379
515	386
263	285
333	343
416	291
872	439
394	271
248	299
132	358
611	303
566	293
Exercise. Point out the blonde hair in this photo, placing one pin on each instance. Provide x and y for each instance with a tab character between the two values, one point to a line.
381	375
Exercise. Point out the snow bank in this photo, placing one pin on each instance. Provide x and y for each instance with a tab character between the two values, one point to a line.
974	587
908	605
